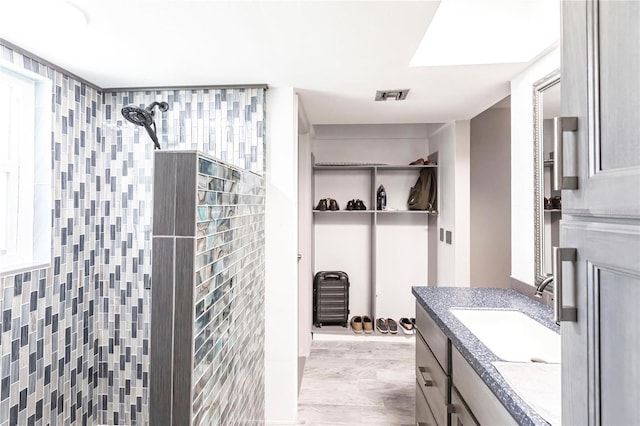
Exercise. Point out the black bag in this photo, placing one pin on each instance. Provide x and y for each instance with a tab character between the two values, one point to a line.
330	298
423	195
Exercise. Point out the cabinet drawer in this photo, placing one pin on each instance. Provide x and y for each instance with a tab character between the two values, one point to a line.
460	414
424	416
484	405
438	342
433	382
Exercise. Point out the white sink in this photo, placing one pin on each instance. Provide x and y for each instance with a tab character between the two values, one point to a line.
511	335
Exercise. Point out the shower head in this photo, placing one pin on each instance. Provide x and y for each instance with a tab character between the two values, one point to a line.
144	117
137	115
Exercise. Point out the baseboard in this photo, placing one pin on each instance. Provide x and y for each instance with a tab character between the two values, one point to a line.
530	291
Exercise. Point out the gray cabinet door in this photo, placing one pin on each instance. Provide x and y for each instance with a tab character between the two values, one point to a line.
601	219
601	86
600	372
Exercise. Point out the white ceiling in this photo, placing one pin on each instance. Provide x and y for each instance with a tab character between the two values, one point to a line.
335	53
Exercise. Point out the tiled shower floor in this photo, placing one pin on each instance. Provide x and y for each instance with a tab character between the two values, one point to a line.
358	383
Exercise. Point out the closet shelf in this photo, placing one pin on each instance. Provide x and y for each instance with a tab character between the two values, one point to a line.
419	212
332	329
432	213
346	331
407	167
371	167
343	211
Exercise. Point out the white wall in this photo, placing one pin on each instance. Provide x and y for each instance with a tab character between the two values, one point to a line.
393	143
443	142
451	141
462	226
522	217
281	275
491	198
305	265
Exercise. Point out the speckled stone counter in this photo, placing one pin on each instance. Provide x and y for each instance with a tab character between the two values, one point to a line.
438	300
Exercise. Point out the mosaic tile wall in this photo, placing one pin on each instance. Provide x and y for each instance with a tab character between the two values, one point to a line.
75	336
211	353
225	123
126	210
229	297
49	348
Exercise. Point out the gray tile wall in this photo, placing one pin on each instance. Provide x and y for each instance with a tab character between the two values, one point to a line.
208	348
75	336
49	349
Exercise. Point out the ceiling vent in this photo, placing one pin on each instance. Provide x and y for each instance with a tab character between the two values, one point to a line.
397	94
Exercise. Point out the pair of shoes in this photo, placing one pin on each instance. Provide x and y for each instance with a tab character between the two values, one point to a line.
553	203
328	204
356	205
420	161
386	325
361	323
406	325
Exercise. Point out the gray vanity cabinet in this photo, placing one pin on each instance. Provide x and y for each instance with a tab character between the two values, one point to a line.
448	390
480	405
433	380
424	416
460	413
601	219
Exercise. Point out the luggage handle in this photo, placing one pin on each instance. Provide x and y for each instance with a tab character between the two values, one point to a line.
332	275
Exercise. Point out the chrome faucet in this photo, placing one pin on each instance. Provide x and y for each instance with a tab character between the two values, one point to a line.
543	284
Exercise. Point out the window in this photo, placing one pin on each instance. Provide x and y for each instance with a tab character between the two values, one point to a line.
25	168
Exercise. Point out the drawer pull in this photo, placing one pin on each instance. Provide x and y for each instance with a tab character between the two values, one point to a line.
426	379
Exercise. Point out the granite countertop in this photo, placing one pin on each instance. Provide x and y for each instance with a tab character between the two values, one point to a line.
438	300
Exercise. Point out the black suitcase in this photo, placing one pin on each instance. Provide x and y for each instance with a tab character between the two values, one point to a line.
331	298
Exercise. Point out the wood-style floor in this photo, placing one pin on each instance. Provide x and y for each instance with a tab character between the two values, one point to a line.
358	383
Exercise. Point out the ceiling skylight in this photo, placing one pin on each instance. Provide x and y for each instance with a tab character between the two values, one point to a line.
474	32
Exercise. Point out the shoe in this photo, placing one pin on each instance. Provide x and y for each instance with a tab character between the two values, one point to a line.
393	326
406	326
367	324
418	162
333	205
359	205
351	204
382	325
322	205
356	324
